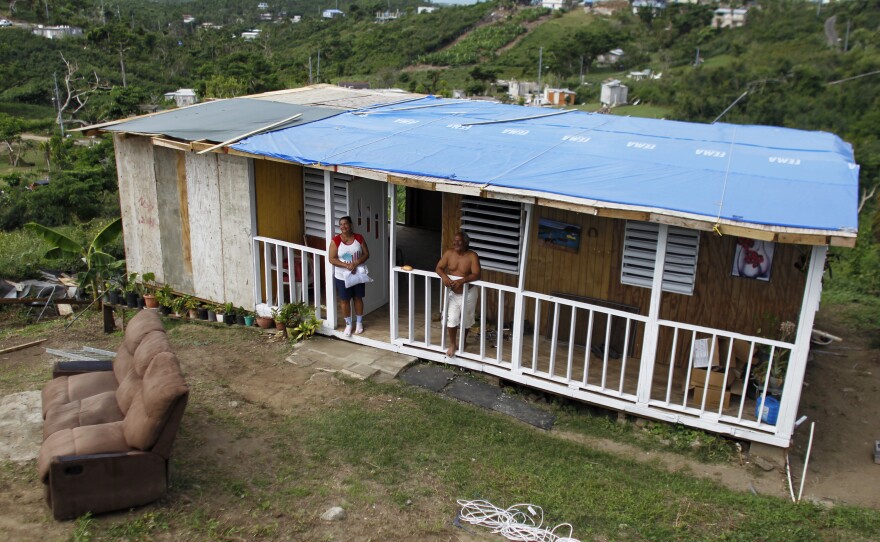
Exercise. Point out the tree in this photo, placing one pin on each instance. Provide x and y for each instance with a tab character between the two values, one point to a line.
10	134
99	264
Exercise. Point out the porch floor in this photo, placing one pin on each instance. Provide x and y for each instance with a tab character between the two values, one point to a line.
611	383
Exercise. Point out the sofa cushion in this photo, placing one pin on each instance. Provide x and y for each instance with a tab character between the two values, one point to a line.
139	326
162	386
153	343
89	439
65	389
94	410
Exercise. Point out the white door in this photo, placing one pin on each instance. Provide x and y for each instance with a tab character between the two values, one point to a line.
367	206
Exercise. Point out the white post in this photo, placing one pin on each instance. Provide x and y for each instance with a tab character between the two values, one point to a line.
652	327
519	299
797	362
392	253
328	267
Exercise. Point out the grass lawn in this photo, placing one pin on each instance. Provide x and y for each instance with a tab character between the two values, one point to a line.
398	458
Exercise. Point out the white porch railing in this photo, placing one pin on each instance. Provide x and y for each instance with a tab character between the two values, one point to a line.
569	360
425	298
273	284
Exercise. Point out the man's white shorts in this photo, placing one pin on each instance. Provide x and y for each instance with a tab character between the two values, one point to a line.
453	308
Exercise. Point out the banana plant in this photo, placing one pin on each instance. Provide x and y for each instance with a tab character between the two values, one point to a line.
99	264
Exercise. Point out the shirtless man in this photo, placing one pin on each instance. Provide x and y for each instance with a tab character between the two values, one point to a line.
462	262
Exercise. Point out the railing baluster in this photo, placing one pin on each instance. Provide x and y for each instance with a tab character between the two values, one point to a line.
428	311
535	335
589	344
499	327
623	354
411	304
606	348
742	400
267	274
554	340
571	333
690	363
671	364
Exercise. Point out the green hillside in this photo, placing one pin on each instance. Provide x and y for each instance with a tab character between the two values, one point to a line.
781	65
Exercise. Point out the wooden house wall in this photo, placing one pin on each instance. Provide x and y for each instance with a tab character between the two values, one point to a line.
202	186
237	229
170	167
137	202
279	199
719	301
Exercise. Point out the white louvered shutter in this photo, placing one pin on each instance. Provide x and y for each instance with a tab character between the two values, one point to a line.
313	188
640	252
495	229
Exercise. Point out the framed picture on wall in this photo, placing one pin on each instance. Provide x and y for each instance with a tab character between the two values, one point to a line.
559	235
753	259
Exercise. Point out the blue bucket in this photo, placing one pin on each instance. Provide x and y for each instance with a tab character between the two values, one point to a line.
771	409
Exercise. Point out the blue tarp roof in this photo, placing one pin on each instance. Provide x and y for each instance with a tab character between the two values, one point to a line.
751	174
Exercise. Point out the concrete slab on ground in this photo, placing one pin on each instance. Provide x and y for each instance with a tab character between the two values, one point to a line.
473	391
521	410
354	360
430	377
21	426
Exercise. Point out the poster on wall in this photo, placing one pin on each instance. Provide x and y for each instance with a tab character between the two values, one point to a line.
559	235
753	259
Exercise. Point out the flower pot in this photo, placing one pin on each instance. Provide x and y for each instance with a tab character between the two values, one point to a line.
193	314
211	316
131	299
202	313
165	310
265	322
150	301
219	316
248	320
240	320
229	319
279	325
140	302
113	297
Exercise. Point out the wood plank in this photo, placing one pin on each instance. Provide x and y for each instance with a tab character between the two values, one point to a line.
235	213
22	346
183	198
202	185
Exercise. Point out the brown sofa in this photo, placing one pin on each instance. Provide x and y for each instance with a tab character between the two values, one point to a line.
108	433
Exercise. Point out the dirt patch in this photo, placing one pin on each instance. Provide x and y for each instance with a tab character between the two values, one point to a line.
242	380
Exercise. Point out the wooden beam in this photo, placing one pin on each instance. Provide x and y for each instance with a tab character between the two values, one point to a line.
171	144
22	346
23	300
412	183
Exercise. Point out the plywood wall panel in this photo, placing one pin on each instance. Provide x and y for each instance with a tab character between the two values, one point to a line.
137	198
279	200
236	226
202	186
176	264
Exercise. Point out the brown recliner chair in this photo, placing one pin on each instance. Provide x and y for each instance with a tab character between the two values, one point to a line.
96	459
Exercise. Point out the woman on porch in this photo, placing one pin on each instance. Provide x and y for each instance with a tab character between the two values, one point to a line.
348	251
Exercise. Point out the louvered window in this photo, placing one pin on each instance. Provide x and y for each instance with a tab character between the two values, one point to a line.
495	229
313	187
640	252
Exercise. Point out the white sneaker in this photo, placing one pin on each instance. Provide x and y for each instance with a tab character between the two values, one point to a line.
347	331
359	329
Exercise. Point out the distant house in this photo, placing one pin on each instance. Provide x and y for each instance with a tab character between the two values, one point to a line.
553	4
251	35
729	17
638	76
263	6
522	89
425	9
655	6
187	19
210	26
383	16
611	57
57	32
357	85
296	18
332	13
559	96
606	8
613	93
265	16
182	97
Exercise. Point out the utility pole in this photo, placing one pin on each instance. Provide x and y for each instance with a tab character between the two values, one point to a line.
846	39
540	66
319	65
310	69
582	70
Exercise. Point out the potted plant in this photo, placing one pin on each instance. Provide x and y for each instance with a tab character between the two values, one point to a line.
164	298
240	313
132	289
248	318
777	366
203	310
178	305
304	330
150	300
226	314
265	316
191	305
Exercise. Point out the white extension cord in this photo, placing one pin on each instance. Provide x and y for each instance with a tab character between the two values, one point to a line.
514	523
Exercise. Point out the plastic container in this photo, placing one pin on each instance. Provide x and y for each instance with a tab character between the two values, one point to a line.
771	409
